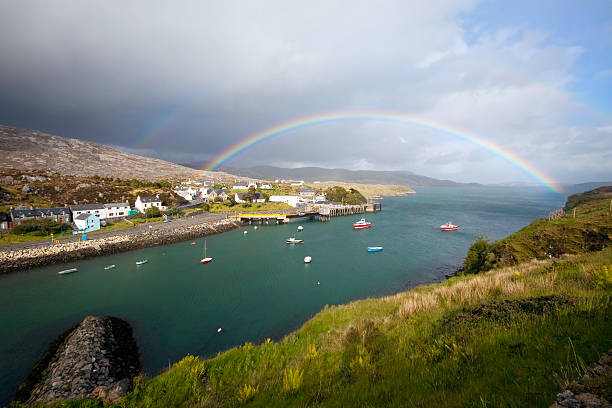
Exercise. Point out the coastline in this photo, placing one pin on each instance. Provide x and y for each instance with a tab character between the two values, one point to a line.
14	260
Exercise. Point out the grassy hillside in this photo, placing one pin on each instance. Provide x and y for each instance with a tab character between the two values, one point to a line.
509	337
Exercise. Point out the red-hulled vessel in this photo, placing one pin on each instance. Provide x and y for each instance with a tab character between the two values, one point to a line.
448	227
362	223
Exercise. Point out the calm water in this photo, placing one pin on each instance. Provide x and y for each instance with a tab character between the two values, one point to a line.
257	286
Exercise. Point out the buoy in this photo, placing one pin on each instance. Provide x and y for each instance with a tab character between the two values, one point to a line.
318	283
246	232
255	227
193	243
219	330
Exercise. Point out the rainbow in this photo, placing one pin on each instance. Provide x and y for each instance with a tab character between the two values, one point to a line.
299	123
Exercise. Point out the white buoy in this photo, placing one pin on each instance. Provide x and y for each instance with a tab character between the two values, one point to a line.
219	330
318	283
255	227
246	232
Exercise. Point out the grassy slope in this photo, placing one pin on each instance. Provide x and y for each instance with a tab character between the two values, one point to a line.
513	336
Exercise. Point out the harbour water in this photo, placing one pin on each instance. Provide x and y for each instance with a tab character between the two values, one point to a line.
257	286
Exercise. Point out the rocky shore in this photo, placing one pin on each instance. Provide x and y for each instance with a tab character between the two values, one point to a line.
25	258
96	359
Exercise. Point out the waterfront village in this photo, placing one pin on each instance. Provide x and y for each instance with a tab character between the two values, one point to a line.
181	199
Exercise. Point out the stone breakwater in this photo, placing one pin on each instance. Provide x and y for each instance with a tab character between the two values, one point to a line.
96	359
20	259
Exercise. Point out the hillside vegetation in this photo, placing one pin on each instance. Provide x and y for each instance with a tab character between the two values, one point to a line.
509	337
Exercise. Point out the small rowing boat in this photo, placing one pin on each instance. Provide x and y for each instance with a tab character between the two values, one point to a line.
307	259
64	272
109	267
375	249
292	240
142	262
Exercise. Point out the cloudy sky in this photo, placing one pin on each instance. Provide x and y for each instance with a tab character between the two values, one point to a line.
184	81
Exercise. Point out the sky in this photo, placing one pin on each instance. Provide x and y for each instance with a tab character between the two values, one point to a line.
185	81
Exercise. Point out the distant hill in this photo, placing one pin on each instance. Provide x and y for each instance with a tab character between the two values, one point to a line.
402	178
33	150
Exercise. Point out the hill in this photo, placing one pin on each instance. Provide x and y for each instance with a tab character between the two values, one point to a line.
402	178
512	336
33	150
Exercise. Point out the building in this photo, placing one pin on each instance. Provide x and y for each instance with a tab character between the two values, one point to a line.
293	201
97	209
297	183
188	194
143	203
319	197
240	185
57	214
255	197
117	210
87	222
307	192
252	184
266	187
214	193
5	221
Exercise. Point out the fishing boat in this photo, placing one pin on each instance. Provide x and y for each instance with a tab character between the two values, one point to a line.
300	228
292	240
109	267
362	223
307	259
448	227
375	249
205	260
142	262
64	272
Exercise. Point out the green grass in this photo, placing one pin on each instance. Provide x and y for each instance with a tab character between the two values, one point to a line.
139	221
12	239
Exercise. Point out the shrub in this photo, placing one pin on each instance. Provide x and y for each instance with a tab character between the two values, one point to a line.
292	380
479	257
603	277
311	352
152	212
42	226
205	206
247	393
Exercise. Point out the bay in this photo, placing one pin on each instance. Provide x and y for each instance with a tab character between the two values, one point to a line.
257	286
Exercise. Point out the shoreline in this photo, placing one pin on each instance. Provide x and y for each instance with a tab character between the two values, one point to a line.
127	240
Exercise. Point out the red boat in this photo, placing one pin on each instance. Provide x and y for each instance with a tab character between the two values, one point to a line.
362	223
205	260
448	227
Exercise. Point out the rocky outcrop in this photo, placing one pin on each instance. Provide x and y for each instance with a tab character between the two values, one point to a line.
593	390
129	240
96	359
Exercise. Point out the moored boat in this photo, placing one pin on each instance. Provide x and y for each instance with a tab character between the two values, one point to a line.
307	259
375	249
448	227
300	228
109	267
362	223
292	240
64	272
142	262
206	259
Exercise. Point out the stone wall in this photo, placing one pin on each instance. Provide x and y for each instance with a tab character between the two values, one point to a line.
65	252
97	359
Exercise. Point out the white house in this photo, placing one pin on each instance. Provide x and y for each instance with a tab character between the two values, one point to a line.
319	197
297	183
252	184
306	192
291	200
87	222
240	185
142	203
266	187
115	210
256	197
214	193
96	209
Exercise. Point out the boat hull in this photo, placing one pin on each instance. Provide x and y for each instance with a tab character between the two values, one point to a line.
206	260
375	249
362	226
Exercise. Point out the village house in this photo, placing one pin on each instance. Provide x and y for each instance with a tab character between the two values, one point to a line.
266	187
143	203
214	193
187	193
57	214
117	210
297	183
293	201
87	223
240	185
252	184
255	197
97	209
5	221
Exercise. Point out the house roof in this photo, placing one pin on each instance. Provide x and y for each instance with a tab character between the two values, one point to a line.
306	190
218	191
109	205
85	207
254	195
150	199
39	212
84	216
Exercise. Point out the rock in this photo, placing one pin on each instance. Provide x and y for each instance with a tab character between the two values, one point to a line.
26	189
8	180
83	185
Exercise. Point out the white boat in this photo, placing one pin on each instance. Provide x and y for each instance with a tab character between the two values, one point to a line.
109	267
300	228
205	260
375	249
362	223
448	227
219	330
255	227
307	259
142	262
292	240
67	271
246	232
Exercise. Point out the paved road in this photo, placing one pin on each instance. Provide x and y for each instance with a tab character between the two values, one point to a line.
155	226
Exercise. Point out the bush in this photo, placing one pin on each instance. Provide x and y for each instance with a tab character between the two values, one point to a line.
42	226
340	194
205	207
152	212
479	258
173	211
292	380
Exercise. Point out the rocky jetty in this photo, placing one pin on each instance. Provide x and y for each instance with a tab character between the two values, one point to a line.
96	359
593	390
26	258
